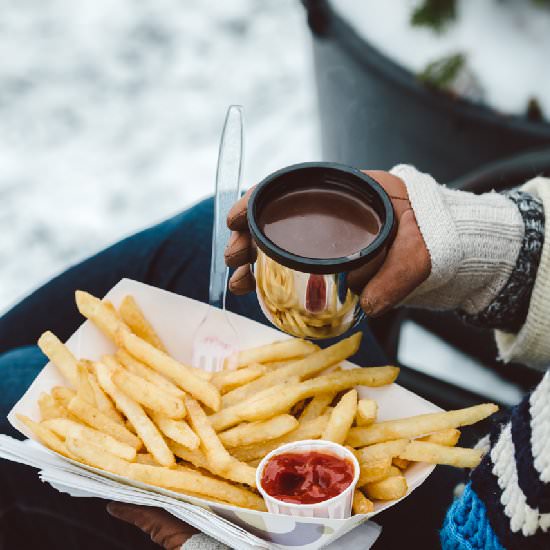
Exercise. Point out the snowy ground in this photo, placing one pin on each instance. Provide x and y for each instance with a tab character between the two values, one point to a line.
110	115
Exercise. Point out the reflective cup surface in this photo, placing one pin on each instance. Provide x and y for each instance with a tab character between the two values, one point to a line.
309	297
306	305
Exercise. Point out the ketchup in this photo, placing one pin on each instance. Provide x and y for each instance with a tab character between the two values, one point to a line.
306	478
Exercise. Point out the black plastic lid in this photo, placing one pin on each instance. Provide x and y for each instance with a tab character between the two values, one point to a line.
334	176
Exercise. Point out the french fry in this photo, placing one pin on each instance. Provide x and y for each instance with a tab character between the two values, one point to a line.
388	449
361	504
183	479
62	395
103	401
50	408
133	316
367	409
374	470
84	388
237	471
304	368
138	368
176	430
100	421
216	454
394	471
256	432
60	355
146	458
227	380
105	318
194	456
185	377
317	406
310	429
68	428
449	437
391	488
277	351
401	463
241	472
422	451
148	394
147	431
415	426
337	381
46	436
341	418
196	482
95	456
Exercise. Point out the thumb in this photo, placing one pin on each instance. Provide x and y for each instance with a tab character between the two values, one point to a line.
163	528
406	266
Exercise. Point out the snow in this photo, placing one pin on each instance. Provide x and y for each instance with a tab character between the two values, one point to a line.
110	116
507	44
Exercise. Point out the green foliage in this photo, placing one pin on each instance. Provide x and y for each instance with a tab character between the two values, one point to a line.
440	74
434	13
534	110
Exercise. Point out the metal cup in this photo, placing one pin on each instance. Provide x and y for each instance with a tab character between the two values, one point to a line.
311	297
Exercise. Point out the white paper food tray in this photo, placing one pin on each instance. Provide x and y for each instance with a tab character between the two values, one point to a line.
175	318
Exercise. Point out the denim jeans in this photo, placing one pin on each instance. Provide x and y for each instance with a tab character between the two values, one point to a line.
174	255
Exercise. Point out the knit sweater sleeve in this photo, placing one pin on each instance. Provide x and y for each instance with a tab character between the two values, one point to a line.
508	310
531	344
490	257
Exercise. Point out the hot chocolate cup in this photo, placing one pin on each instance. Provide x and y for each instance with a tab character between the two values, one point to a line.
312	297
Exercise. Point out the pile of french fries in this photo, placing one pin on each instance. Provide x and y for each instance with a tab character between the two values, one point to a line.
141	414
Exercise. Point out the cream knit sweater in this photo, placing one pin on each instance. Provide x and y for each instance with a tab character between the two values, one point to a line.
473	243
531	345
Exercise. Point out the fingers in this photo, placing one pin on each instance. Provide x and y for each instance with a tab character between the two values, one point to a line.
407	265
358	278
163	528
242	281
236	219
239	250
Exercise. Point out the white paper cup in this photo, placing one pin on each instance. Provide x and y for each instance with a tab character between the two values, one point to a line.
337	507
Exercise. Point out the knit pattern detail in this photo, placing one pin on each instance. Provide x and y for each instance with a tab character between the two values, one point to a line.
509	483
467	526
508	310
540	428
531	345
473	242
536	491
522	516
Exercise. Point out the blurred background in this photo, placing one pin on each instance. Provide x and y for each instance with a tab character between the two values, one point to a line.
111	112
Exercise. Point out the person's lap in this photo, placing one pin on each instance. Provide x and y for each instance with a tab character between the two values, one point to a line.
174	255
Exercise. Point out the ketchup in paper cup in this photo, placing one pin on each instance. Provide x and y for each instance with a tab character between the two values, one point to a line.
311	478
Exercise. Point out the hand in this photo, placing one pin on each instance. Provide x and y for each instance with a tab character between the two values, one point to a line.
163	528
406	265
